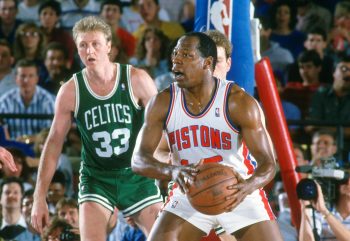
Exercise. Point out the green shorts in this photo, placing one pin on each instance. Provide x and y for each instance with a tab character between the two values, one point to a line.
122	188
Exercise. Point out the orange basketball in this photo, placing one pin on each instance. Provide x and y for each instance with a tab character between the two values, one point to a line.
208	192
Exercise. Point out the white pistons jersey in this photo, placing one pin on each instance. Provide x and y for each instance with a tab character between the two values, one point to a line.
210	135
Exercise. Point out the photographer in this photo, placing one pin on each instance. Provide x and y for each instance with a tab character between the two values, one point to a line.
60	230
332	224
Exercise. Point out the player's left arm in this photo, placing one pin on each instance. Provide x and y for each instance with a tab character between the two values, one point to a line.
246	113
143	86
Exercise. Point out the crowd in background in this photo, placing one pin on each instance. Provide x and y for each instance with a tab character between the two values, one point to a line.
307	42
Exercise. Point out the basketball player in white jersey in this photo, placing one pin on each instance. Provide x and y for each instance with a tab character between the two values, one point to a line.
206	117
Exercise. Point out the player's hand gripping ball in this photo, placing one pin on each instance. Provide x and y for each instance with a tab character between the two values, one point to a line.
207	194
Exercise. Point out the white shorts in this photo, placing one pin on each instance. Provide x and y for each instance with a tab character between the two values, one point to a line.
254	208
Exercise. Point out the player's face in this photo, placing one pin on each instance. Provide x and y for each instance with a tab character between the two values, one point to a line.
188	65
223	64
93	48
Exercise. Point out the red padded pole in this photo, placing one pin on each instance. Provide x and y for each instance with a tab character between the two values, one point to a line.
277	127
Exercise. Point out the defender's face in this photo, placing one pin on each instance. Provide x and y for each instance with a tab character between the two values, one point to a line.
188	65
93	48
223	64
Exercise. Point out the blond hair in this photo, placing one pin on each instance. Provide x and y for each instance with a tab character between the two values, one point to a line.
92	24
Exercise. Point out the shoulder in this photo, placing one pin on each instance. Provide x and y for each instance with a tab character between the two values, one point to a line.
159	104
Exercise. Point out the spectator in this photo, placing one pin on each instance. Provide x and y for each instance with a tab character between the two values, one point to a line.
131	18
13	222
279	57
149	11
56	190
7	75
151	52
73	11
339	35
283	16
186	17
58	227
28	11
27	98
8	21
311	15
56	62
331	224
300	156
64	164
67	209
111	11
316	40
29	42
29	234
333	102
50	12
117	53
323	146
23	170
300	93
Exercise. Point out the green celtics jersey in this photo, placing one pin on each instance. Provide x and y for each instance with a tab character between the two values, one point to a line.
108	124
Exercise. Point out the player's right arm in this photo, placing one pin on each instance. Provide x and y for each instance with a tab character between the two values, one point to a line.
143	161
64	107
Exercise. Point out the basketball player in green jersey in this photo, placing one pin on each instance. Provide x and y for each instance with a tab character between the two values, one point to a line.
107	101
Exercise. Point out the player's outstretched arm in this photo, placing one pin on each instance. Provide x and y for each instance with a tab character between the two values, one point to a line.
246	113
143	161
7	159
64	107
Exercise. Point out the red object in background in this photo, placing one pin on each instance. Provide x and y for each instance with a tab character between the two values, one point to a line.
211	237
277	127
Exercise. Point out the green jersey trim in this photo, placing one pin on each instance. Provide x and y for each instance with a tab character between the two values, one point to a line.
131	93
100	97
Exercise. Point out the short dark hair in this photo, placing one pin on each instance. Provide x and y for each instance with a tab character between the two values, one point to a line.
26	63
8	180
56	46
293	12
56	6
319	31
58	177
112	2
327	132
310	56
206	46
66	202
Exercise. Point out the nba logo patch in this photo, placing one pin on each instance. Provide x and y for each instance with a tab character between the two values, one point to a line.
174	204
217	112
220	16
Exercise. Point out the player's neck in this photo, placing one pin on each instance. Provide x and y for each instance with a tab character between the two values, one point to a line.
102	75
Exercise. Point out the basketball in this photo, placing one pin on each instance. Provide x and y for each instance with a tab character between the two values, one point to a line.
208	191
